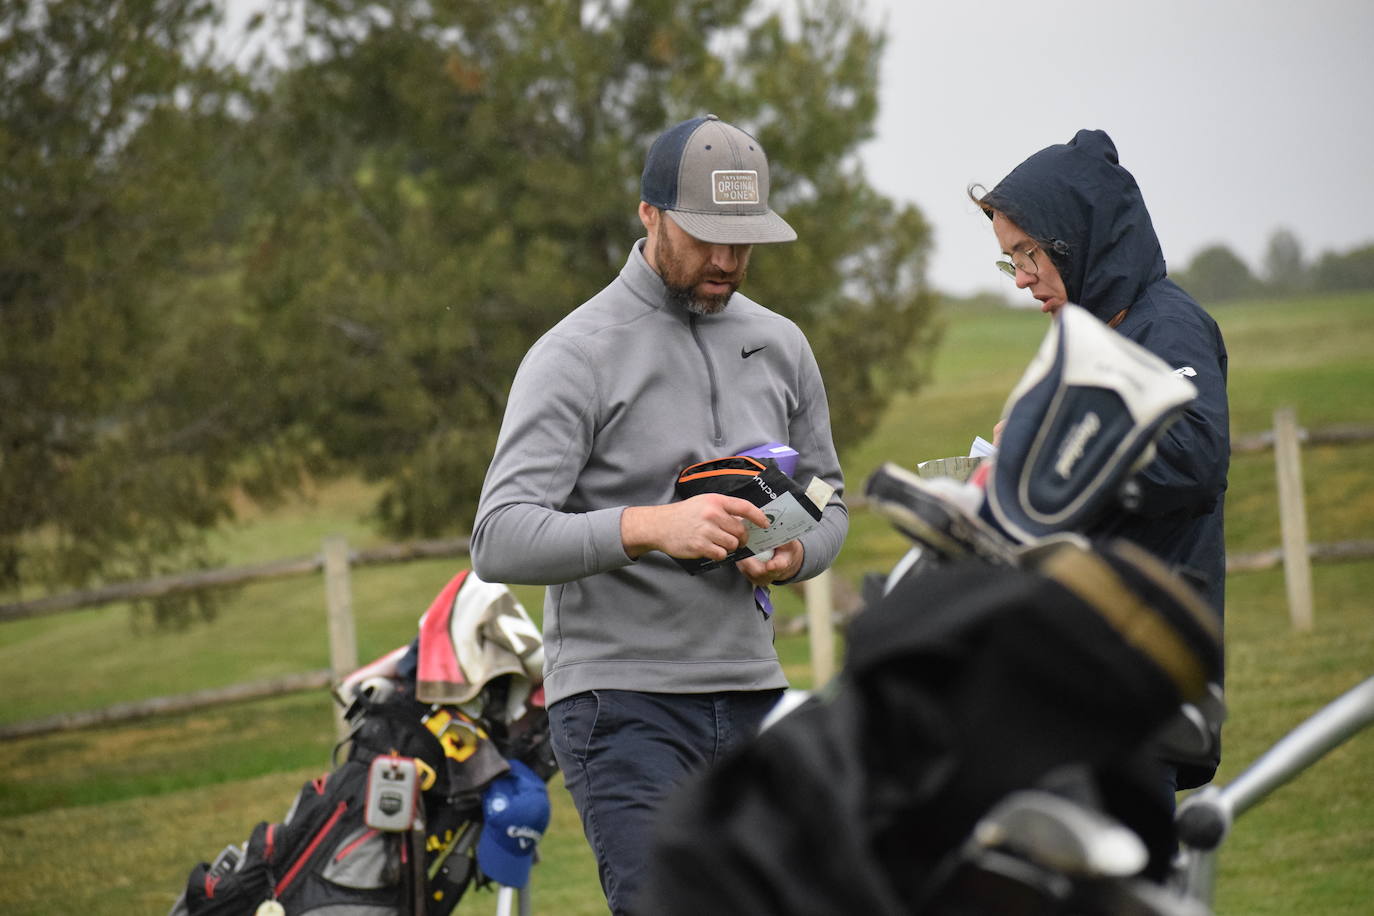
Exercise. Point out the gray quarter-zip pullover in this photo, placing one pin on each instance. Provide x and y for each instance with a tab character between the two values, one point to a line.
605	410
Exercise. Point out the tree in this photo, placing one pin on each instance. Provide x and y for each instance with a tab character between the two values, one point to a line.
1284	268
1216	274
121	431
448	180
1351	270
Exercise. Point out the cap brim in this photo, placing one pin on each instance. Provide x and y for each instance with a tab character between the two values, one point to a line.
499	864
734	229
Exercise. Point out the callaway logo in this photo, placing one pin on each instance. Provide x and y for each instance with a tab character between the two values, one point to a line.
525	836
746	353
1185	371
1076	443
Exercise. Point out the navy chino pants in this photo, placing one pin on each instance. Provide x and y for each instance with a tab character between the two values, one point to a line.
623	752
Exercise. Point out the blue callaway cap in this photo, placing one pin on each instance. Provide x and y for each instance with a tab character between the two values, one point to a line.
515	810
711	178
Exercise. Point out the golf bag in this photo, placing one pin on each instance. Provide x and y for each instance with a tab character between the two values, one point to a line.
398	826
983	749
1083	418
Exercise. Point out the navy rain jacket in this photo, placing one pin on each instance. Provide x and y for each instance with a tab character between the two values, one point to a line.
1088	213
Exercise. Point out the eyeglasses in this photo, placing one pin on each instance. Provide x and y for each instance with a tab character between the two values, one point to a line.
1023	261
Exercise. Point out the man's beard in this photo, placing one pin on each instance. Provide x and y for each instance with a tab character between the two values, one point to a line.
681	286
700	305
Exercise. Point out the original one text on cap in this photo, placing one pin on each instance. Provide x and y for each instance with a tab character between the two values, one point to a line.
712	180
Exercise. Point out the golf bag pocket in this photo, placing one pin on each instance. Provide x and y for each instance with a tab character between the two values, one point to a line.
1083	418
364	859
235	883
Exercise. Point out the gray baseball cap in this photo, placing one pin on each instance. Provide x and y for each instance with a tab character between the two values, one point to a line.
712	179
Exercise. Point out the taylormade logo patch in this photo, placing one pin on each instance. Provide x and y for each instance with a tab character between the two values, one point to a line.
735	187
1076	443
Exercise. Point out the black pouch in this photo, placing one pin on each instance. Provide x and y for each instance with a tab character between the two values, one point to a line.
758	480
735	475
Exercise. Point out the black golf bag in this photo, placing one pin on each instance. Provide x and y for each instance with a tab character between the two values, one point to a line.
393	828
983	749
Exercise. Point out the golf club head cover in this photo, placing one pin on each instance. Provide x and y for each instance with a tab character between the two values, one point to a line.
1082	419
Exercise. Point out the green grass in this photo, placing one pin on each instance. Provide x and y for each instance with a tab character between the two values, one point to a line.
109	820
1309	848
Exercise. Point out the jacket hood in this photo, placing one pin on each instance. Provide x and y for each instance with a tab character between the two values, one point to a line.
1077	199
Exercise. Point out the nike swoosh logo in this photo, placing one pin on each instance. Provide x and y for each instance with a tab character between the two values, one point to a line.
745	354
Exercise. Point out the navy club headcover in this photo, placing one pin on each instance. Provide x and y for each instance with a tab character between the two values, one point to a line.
1084	416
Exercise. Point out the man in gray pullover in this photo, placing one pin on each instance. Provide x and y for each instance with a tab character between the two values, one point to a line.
650	672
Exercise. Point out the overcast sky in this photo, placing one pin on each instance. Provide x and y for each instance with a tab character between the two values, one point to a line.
1236	118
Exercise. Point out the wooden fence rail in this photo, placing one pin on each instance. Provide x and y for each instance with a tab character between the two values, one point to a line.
184	702
1339	552
1341	434
226	577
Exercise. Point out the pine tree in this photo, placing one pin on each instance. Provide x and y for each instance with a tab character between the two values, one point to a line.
454	178
118	442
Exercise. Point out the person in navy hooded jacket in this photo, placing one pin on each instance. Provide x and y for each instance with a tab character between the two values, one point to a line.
1073	227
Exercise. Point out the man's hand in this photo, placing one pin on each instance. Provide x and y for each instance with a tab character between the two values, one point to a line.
785	563
709	526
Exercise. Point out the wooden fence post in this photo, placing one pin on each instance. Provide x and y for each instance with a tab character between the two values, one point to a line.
338	597
1297	564
820	613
